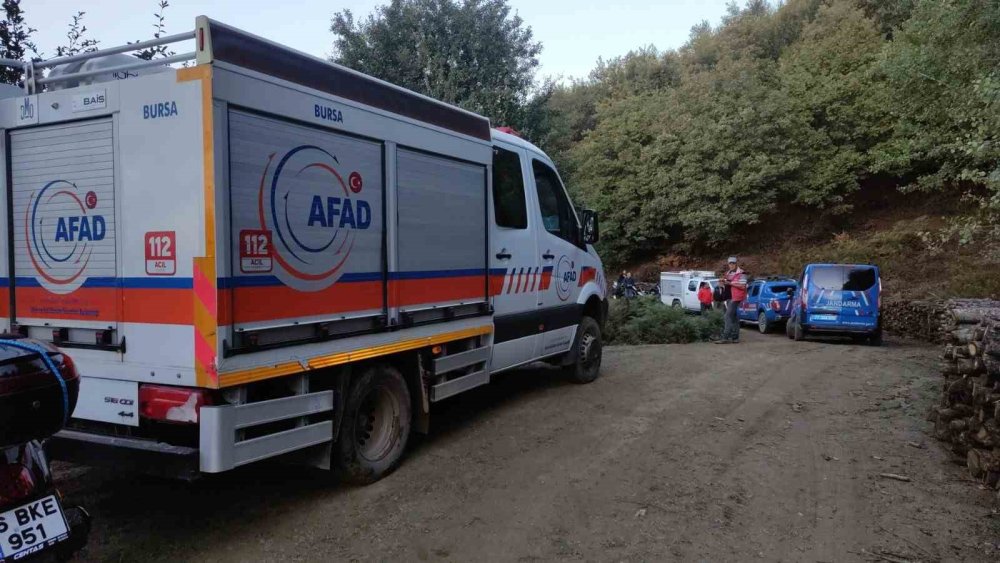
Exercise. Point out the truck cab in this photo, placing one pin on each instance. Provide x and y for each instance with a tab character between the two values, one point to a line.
538	247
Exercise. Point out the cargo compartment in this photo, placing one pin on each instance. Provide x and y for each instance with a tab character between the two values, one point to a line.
306	230
62	189
441	269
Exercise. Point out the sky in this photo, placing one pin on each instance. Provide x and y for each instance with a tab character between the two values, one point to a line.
573	33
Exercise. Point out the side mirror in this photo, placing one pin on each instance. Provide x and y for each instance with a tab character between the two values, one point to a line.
591	228
791	293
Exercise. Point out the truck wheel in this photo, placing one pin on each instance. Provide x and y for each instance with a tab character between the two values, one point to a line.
676	304
789	326
875	339
798	332
587	365
375	427
762	325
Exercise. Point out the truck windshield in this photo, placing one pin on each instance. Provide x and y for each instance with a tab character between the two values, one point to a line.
843	278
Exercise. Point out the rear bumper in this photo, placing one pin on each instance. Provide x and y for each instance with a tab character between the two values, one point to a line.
131	454
830	329
222	445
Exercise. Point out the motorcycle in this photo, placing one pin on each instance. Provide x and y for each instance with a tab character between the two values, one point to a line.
39	386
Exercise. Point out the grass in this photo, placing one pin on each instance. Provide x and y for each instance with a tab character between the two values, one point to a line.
646	320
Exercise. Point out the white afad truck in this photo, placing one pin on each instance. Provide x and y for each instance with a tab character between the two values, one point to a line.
264	254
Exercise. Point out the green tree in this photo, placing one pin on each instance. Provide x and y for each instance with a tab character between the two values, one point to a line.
472	53
15	40
942	69
159	24
832	77
76	38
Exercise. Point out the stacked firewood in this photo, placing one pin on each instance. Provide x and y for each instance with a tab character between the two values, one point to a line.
968	417
934	320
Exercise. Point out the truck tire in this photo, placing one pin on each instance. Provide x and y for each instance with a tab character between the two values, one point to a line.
875	338
762	325
789	326
588	349
676	304
376	425
798	332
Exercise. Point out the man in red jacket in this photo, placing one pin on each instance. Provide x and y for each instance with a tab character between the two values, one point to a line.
736	281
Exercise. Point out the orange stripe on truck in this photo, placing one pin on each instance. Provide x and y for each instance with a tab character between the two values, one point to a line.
206	302
151	306
243	377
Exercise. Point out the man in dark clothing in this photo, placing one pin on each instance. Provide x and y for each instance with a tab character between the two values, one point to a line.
720	295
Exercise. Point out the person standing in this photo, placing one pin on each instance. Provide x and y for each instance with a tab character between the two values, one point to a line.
735	279
720	295
705	297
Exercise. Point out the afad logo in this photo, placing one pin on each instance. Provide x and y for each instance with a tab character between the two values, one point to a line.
313	215
61	231
565	278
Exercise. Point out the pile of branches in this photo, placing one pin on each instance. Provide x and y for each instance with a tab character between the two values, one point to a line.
934	320
968	417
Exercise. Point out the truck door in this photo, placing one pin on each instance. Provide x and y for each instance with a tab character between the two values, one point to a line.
65	279
691	302
560	250
516	271
748	309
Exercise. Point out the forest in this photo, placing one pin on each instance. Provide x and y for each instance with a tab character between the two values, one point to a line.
800	106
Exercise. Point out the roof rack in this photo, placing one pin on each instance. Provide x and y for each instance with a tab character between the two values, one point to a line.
218	43
34	82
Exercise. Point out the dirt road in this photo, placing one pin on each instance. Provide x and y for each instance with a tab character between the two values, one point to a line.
768	450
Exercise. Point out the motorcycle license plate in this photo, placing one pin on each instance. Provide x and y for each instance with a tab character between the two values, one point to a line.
31	528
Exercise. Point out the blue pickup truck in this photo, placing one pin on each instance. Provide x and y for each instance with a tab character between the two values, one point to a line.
768	302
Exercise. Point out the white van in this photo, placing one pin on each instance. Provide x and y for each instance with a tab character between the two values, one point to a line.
680	289
265	253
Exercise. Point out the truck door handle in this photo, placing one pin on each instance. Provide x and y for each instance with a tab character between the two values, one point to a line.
503	255
548	256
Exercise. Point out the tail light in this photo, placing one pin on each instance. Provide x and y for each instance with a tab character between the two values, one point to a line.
879	301
805	293
16	483
68	367
172	404
775	305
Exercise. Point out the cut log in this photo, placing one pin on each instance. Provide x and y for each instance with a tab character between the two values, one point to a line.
974	463
973	314
974	349
962	336
986	439
979	333
965	366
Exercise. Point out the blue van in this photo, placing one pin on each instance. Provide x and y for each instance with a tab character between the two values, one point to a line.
838	299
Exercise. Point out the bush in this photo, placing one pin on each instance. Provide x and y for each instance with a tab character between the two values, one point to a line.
648	321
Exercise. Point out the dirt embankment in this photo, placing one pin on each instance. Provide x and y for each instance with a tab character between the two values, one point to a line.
912	238
766	450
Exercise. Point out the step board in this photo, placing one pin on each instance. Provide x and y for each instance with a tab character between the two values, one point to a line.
459	384
461	360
